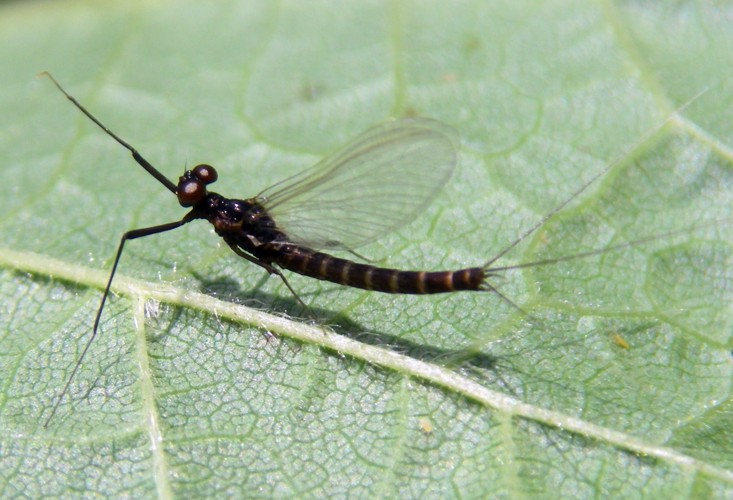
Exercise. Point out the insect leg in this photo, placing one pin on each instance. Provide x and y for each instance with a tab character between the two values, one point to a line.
129	235
272	270
137	156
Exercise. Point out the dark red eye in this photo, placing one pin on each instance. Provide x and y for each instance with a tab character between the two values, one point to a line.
190	192
206	173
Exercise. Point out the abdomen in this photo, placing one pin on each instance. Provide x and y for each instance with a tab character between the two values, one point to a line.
379	279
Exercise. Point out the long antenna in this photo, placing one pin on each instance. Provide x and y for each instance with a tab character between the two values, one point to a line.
137	156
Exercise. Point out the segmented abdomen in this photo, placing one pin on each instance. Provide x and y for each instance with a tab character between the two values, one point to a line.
345	272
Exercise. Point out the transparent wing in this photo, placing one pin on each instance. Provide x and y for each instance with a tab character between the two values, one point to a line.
373	185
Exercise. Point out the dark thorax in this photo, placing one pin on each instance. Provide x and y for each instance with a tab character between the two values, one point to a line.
244	223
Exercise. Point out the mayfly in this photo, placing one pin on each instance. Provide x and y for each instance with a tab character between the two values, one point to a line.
374	184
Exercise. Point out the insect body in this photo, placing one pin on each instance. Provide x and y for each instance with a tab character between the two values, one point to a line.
248	228
375	184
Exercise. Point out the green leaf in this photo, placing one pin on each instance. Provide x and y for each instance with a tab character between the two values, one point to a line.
614	379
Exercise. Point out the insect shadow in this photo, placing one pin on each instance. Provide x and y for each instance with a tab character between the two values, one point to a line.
233	290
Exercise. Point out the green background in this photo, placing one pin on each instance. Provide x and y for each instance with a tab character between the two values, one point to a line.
616	383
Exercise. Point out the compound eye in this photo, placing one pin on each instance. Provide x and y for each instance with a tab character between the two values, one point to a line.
206	173
190	192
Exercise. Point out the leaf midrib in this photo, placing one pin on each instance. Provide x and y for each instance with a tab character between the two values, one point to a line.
428	372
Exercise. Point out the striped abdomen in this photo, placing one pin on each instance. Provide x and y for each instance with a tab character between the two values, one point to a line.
345	272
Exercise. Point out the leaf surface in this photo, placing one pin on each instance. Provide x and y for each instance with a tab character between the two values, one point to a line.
614	379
